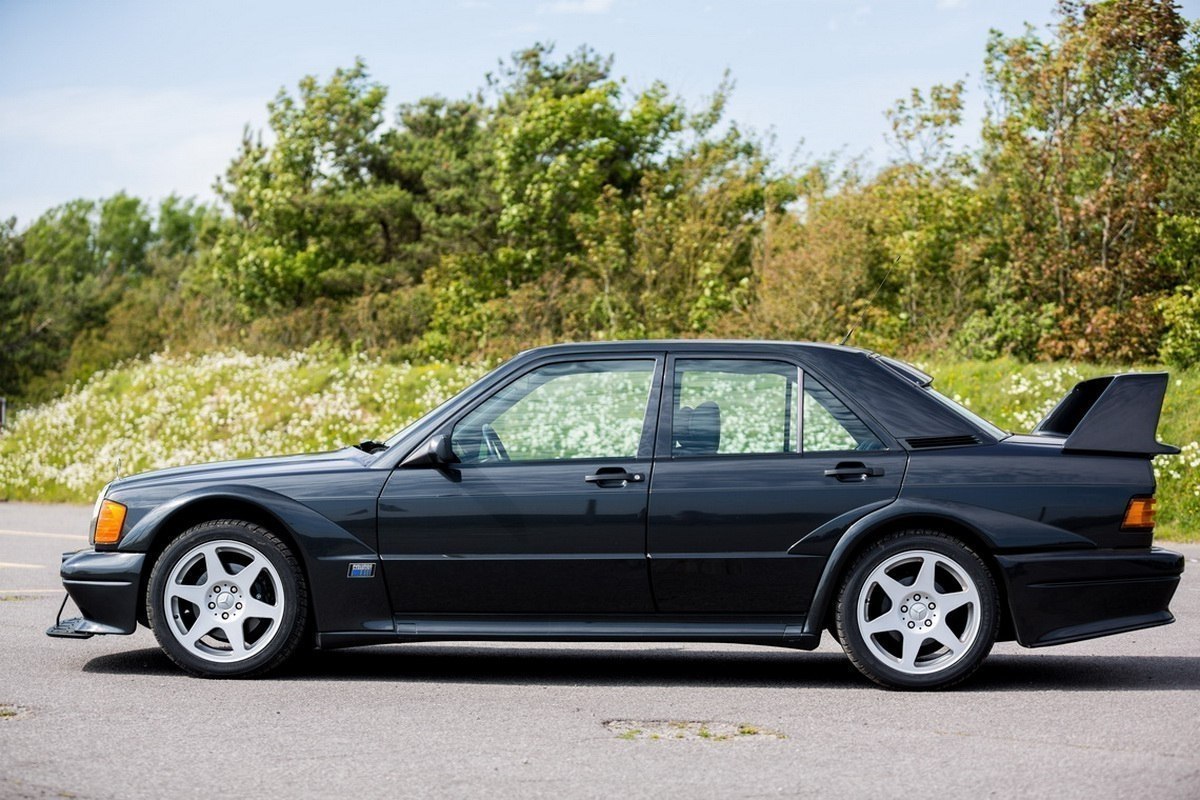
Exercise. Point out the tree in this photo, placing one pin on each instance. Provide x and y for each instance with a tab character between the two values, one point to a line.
1075	166
310	216
618	214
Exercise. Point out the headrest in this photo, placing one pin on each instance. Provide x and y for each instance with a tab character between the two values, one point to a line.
698	430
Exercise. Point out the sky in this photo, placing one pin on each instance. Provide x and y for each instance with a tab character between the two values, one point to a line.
152	97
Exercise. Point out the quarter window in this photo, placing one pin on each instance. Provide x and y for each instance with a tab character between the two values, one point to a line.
829	425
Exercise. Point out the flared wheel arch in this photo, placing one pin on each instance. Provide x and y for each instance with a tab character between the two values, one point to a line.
207	509
848	551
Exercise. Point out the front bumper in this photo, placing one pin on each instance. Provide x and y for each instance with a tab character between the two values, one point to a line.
1063	597
104	585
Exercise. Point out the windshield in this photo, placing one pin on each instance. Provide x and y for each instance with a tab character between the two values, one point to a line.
967	414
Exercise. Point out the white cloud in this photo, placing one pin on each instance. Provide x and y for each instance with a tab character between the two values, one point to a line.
951	3
577	7
93	142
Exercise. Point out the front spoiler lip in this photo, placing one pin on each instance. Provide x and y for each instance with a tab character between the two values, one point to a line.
105	586
81	628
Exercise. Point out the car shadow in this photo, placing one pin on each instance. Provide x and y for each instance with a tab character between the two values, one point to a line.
667	666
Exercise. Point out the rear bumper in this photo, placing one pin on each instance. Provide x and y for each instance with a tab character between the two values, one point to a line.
105	587
1063	597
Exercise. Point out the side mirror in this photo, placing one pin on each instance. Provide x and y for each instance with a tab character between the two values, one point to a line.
434	453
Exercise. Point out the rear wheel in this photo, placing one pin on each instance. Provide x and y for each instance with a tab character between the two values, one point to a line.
918	610
227	599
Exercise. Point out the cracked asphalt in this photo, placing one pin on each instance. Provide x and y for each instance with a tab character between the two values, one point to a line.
110	717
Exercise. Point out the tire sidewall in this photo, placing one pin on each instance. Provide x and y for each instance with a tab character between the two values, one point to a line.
854	642
158	610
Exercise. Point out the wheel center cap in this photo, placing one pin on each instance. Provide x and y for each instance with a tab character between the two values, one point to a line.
225	600
918	612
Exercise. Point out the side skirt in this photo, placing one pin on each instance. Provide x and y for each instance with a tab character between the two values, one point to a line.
778	632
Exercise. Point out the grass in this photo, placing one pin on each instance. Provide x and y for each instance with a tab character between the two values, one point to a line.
175	409
172	410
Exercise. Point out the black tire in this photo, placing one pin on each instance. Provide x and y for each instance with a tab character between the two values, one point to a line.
894	631
271	621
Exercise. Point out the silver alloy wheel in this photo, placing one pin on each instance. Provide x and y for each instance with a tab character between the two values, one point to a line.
225	600
919	612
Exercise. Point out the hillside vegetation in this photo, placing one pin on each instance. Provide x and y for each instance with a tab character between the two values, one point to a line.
173	410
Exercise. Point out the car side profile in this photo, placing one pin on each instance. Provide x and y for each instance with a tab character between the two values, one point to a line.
701	491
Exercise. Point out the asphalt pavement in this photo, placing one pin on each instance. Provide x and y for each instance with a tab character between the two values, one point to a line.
110	717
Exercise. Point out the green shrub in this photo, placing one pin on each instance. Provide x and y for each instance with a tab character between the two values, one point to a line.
1181	342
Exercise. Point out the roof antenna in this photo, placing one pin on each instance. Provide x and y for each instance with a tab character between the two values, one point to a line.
870	302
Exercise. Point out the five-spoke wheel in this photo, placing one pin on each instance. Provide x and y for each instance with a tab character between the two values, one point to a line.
227	598
918	610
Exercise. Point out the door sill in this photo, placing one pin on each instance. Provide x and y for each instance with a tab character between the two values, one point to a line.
778	631
774	631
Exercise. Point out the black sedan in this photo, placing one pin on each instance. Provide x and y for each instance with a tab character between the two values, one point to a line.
703	491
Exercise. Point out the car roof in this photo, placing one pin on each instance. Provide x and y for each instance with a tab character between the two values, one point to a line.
628	345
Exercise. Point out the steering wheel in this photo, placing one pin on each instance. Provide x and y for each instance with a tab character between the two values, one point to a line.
491	441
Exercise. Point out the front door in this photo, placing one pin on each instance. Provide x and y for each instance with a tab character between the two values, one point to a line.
546	511
752	455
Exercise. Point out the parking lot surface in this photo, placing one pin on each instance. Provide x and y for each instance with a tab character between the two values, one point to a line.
110	717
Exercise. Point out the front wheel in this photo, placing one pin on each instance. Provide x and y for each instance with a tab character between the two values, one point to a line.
227	599
918	610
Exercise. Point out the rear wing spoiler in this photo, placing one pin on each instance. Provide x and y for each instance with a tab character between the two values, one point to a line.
1113	414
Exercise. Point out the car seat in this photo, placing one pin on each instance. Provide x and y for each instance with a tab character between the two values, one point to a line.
698	430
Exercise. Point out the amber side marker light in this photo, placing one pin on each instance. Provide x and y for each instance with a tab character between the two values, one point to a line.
1139	515
110	522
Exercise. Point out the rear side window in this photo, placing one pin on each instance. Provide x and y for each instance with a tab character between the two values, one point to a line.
752	406
728	406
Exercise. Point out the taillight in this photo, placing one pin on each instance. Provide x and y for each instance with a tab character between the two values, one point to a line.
1139	515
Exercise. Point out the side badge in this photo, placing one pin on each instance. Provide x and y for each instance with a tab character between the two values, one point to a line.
361	570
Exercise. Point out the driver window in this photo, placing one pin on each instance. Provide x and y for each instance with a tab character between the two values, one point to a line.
575	410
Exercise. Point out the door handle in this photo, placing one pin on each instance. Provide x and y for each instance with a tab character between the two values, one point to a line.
604	478
844	472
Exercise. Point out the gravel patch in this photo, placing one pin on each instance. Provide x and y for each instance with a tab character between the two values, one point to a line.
688	730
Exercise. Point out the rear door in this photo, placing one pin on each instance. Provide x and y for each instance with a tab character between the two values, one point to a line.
753	454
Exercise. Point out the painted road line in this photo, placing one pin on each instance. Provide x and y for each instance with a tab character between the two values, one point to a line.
13	565
30	591
74	537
